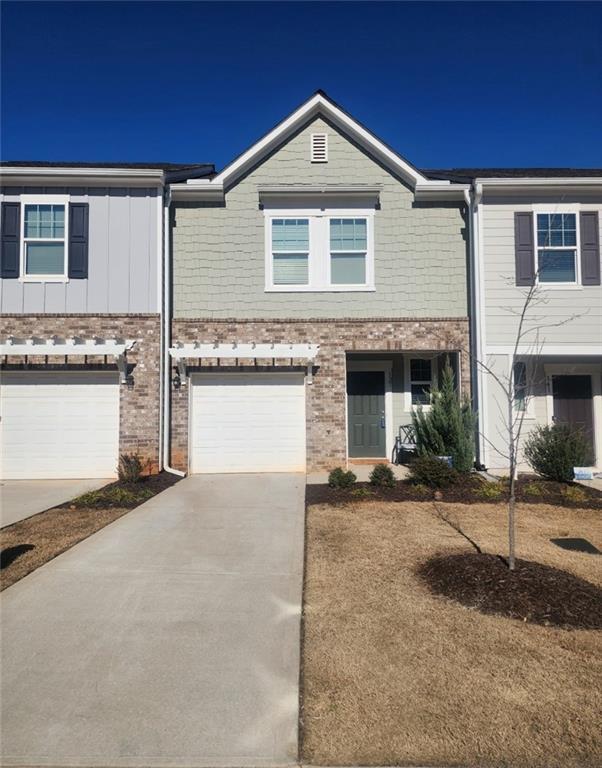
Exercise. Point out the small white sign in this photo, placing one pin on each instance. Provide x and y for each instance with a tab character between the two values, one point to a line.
583	473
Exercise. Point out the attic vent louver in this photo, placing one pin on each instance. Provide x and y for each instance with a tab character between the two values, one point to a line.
319	147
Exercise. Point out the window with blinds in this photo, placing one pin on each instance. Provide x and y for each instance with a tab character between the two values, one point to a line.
290	251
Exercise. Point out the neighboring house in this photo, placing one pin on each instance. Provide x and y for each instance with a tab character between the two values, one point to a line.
80	297
319	283
539	225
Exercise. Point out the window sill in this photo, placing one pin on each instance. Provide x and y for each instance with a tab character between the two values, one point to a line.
44	279
321	289
560	286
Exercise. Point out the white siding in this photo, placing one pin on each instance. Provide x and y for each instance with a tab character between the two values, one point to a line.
504	300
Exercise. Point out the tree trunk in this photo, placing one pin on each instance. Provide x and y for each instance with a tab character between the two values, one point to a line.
511	536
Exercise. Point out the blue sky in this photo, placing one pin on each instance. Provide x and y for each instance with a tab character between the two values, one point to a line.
446	84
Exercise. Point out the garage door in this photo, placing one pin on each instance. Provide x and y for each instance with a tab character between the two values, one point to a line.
59	425
248	423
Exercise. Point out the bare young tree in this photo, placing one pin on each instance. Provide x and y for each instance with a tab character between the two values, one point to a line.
527	343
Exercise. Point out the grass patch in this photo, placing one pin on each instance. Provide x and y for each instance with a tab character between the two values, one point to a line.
29	543
395	675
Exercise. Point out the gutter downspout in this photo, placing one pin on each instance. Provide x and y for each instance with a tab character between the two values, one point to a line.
166	338
478	320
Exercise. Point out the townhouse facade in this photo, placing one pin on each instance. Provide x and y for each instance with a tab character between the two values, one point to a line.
290	312
537	257
80	334
319	284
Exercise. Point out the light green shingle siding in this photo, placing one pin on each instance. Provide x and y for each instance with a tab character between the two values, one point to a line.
219	250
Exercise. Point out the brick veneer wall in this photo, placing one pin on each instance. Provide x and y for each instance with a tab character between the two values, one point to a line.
138	407
325	401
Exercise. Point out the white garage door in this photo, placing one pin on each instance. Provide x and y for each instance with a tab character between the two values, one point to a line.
250	422
59	425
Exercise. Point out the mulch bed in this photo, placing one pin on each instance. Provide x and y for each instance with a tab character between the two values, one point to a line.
29	543
471	489
534	593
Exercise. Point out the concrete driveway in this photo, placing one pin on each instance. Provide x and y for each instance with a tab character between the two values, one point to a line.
23	498
169	638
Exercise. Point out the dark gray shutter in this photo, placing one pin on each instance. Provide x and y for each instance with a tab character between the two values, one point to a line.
524	251
590	248
78	241
11	231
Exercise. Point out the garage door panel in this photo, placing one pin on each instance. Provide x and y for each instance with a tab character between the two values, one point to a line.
248	423
58	425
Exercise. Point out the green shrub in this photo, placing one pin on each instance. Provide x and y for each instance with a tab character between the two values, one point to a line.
129	468
433	472
448	428
533	489
339	478
490	491
114	496
554	450
361	493
382	475
574	493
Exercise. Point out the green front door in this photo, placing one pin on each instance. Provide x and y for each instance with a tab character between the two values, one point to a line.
366	414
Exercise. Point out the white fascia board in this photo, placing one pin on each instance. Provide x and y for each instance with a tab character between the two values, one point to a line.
317	104
66	347
557	350
441	191
137	177
297	190
190	191
531	184
244	351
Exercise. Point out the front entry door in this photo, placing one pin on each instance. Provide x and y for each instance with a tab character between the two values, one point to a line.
366	414
573	403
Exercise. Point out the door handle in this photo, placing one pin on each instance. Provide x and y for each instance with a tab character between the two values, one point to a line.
382	422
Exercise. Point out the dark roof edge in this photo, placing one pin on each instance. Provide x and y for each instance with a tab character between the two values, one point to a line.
466	175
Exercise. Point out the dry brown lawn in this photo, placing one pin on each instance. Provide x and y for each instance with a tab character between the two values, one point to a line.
30	543
393	675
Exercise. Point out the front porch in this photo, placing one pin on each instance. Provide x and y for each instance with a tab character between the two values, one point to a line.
382	391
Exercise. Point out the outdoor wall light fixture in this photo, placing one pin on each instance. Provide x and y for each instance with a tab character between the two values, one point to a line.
129	381
176	381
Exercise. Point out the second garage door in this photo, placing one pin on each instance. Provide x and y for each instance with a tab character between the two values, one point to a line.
59	425
247	423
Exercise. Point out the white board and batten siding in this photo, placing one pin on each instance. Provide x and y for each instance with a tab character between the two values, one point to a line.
247	423
58	425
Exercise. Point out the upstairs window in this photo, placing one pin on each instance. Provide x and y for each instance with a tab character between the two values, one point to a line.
290	251
319	250
44	243
557	247
348	250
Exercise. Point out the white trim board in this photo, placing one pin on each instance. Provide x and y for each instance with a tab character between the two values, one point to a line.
572	350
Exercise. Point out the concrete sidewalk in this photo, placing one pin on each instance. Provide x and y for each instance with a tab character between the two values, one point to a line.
169	638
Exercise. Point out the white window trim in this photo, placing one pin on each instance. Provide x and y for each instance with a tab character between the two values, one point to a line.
576	369
409	407
319	249
545	210
43	200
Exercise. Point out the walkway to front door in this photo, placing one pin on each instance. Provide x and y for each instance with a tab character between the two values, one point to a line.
169	638
366	414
